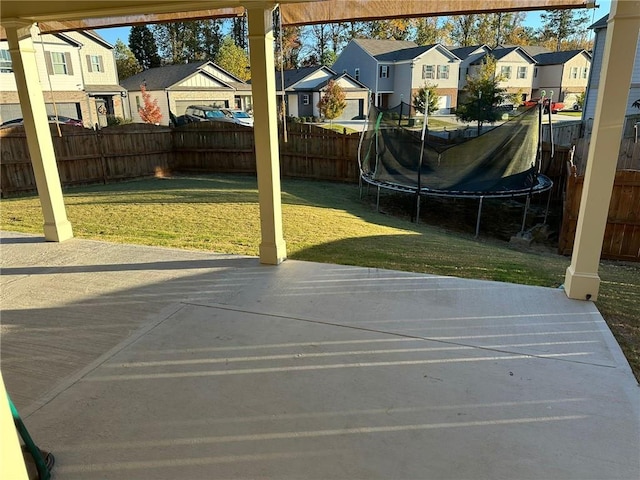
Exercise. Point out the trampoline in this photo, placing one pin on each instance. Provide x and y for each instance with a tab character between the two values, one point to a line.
397	153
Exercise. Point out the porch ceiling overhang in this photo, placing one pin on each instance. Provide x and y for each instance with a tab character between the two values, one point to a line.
55	15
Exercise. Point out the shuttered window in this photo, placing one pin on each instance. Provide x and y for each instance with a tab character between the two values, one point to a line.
94	63
58	63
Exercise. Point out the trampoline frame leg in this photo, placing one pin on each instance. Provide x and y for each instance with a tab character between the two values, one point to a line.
546	212
479	216
378	199
418	208
524	217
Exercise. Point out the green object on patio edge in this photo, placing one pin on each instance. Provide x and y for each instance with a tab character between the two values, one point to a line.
44	472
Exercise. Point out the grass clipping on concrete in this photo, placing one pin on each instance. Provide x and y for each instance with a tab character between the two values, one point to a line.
322	222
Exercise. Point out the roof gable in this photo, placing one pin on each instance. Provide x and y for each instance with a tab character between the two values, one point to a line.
297	77
500	53
464	52
345	81
558	58
161	78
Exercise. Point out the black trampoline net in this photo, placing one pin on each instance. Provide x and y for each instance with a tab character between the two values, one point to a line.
498	162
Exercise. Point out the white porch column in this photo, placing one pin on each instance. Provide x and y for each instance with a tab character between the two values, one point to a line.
263	85
23	58
582	281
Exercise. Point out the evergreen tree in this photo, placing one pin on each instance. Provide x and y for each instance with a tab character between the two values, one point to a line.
239	31
143	46
149	111
126	62
333	102
563	25
233	59
420	98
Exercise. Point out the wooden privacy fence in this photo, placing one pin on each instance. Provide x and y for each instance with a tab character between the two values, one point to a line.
622	233
309	152
138	150
86	156
564	134
628	156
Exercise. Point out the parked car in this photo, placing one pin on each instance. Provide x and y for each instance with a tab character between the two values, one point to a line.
240	117
555	106
61	119
205	113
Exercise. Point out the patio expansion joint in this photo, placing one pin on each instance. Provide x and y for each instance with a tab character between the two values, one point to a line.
395	334
167	313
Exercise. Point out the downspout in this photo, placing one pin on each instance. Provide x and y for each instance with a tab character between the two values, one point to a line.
375	98
91	124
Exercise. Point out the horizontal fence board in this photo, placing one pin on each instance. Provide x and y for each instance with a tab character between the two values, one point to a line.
622	233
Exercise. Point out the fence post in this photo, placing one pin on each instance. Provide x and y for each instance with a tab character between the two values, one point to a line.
103	160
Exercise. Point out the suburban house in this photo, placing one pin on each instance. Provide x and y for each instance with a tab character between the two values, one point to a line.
304	88
514	65
563	73
395	70
467	56
175	87
78	73
632	112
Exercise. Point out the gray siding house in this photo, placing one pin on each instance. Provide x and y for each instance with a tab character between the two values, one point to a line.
395	70
589	109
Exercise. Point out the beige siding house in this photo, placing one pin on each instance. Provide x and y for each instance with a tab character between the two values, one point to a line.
514	65
176	87
70	87
566	74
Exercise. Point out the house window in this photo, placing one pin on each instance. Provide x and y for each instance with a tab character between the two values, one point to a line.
5	62
305	99
574	73
357	73
59	63
535	72
585	70
505	72
137	102
384	71
522	72
94	62
428	72
443	71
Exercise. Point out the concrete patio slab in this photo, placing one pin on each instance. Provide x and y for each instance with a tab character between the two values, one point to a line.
136	362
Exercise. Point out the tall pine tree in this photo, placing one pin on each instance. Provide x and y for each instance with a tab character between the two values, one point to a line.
144	48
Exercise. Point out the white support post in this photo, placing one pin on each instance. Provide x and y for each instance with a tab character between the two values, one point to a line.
263	85
582	281
23	58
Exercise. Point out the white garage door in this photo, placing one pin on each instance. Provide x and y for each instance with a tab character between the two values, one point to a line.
353	111
444	104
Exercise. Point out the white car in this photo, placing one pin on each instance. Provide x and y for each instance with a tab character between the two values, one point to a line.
239	116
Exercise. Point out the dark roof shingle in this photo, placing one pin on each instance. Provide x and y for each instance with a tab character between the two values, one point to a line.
556	58
161	77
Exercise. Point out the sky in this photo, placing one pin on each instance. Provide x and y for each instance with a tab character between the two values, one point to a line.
533	20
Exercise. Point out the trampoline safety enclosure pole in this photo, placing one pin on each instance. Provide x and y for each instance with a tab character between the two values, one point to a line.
479	216
423	136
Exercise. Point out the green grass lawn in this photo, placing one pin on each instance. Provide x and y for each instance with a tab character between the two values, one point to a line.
323	222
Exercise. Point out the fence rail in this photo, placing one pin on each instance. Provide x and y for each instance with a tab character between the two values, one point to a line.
622	233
